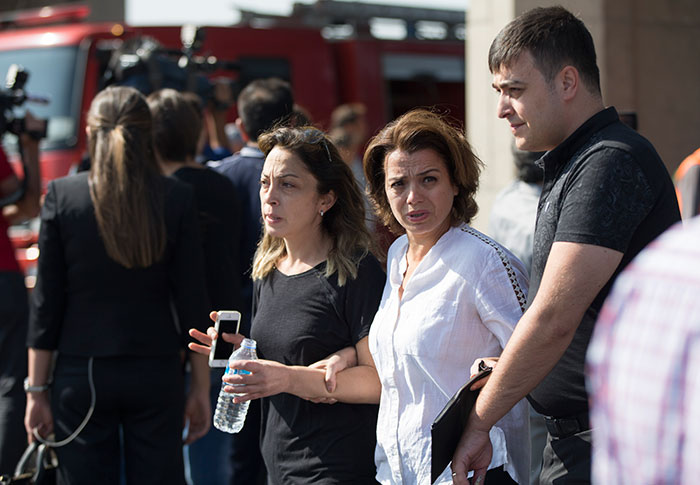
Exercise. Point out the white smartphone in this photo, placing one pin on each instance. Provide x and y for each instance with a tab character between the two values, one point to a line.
227	321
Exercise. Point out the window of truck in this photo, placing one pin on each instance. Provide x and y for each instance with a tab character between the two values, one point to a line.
51	75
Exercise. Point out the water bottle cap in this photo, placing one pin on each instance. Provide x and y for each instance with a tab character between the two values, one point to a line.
249	343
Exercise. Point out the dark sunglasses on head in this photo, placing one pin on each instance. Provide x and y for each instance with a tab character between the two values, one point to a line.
313	136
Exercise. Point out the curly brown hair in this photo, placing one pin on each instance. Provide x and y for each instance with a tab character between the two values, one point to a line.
417	130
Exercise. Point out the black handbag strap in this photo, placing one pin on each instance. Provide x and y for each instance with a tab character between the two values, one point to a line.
43	460
23	463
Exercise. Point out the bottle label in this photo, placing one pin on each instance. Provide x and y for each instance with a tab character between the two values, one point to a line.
232	372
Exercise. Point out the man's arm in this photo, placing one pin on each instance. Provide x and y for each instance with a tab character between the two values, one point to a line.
28	206
197	405
573	276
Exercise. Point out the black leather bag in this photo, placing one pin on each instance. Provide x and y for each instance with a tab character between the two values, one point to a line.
37	466
450	423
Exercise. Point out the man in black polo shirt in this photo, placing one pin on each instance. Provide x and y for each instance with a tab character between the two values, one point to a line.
606	195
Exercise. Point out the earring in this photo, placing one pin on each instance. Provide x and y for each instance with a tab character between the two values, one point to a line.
322	212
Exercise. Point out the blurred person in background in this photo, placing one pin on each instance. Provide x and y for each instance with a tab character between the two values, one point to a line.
300	116
120	273
514	211
233	135
217	146
349	133
643	367
687	179
349	127
261	105
176	129
14	309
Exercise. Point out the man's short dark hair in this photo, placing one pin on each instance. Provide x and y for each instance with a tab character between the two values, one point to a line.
263	104
555	38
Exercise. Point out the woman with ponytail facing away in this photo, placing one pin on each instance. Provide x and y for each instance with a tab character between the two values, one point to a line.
119	274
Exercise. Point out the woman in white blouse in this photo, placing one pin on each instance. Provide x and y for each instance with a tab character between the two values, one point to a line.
452	296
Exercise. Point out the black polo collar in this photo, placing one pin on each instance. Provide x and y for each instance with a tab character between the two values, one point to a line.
562	153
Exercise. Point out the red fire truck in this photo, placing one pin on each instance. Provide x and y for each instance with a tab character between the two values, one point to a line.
67	57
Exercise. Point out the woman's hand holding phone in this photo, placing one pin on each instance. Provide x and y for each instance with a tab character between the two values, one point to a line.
206	339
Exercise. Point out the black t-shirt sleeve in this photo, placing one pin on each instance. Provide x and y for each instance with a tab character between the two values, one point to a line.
362	297
615	197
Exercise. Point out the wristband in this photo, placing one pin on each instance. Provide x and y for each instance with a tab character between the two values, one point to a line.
30	388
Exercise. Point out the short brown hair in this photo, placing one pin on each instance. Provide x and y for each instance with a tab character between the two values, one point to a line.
554	37
176	124
417	130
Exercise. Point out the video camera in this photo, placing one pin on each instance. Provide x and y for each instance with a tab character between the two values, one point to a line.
14	95
144	64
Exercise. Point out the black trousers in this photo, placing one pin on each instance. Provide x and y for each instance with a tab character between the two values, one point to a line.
141	396
13	369
567	461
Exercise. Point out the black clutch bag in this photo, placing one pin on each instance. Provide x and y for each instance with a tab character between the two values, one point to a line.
450	423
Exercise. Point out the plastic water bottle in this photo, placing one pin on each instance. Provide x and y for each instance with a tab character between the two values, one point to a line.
229	416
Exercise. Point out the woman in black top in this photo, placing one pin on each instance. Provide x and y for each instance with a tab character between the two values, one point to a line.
316	291
176	130
177	125
120	250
